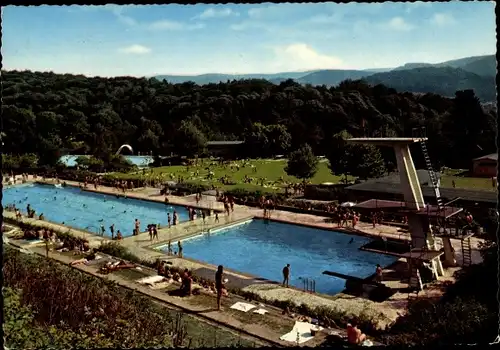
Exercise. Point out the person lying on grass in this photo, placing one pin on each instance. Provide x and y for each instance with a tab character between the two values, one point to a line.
115	266
91	256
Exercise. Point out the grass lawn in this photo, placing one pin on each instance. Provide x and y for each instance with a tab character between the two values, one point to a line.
272	171
479	183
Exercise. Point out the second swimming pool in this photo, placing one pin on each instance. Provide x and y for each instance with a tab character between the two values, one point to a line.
263	248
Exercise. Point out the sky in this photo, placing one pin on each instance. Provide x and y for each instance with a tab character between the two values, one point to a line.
131	40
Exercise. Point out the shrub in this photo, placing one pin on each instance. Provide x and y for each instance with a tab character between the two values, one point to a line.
326	193
71	309
254	196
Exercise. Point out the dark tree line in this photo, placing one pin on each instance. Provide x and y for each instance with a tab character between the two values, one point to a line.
52	114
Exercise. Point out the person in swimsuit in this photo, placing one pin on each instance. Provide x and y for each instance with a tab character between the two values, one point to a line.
378	272
169	220
155	232
137	226
354	335
112	230
286	275
219	285
179	245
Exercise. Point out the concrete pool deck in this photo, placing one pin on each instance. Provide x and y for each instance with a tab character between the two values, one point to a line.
384	313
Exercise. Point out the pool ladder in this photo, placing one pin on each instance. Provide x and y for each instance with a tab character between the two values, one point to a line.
309	285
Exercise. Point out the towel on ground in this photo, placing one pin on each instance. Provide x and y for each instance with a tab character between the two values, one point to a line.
245	307
260	311
302	331
34	241
159	285
150	279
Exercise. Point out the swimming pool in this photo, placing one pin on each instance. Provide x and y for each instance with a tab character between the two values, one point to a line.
89	210
263	248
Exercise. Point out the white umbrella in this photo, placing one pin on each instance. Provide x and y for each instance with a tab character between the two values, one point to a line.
348	204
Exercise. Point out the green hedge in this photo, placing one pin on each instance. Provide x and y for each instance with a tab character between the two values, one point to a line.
254	196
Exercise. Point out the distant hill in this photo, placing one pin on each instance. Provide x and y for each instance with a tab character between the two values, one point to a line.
480	65
475	72
439	80
332	76
486	66
217	78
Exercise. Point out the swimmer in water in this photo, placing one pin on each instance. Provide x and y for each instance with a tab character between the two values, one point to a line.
55	197
352	240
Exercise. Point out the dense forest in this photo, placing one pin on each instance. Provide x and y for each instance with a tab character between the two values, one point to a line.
52	114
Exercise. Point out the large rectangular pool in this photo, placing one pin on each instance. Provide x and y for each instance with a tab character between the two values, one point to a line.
88	210
263	248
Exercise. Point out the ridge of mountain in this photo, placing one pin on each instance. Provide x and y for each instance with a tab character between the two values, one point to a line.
474	72
443	81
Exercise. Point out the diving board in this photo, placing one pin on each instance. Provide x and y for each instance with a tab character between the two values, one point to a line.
352	278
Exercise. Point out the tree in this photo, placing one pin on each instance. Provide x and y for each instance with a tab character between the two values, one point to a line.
97	115
190	140
302	163
363	161
339	154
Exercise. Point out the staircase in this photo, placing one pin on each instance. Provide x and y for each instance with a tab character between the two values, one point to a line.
432	174
466	252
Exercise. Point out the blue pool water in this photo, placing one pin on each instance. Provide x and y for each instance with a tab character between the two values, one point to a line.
140	161
88	210
263	249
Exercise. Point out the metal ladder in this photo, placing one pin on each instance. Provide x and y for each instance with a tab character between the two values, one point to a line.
466	251
430	170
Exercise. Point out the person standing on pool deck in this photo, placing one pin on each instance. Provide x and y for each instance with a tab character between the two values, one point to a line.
112	230
137	226
169	248
179	245
286	275
219	285
155	232
150	230
169	220
175	218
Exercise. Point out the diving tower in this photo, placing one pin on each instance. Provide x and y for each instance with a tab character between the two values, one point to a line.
419	213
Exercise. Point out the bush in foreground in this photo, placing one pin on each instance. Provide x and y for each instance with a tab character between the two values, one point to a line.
52	304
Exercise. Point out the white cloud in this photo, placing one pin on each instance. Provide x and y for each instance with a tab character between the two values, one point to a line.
410	6
398	23
275	11
174	25
135	49
245	25
442	19
300	56
116	10
216	13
